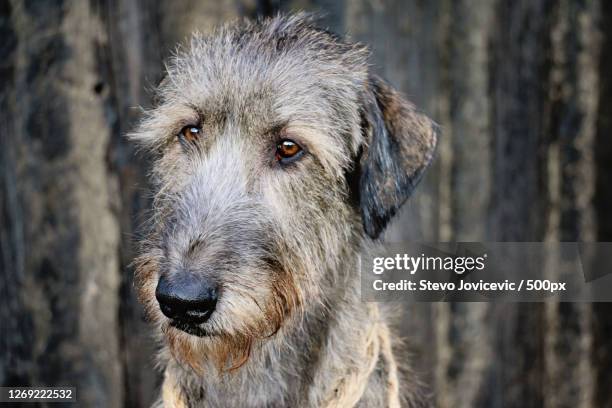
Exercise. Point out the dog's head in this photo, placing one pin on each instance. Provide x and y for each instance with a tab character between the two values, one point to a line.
276	152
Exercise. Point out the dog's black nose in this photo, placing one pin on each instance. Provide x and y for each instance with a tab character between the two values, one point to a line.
186	298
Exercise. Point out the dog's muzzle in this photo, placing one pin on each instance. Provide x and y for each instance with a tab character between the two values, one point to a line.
186	299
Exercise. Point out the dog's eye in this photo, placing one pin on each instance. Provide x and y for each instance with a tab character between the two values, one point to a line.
190	133
287	150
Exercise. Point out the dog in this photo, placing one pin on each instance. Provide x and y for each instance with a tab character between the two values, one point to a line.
277	155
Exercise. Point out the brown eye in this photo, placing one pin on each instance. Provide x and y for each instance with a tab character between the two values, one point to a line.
287	150
190	133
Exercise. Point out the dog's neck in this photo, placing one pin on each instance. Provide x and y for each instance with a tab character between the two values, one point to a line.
318	363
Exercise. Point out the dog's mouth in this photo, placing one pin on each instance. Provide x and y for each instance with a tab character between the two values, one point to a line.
189	328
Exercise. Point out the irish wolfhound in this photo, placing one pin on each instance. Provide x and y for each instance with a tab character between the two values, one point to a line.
277	155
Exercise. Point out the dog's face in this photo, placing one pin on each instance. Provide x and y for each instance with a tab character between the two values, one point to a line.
275	153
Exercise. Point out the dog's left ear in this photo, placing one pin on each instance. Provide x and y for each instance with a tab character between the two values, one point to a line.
400	143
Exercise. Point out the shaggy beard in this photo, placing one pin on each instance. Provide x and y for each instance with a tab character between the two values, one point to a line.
222	350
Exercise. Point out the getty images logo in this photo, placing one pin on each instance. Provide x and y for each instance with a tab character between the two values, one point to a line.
464	260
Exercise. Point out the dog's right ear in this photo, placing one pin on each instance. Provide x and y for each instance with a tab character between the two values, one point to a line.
399	144
156	94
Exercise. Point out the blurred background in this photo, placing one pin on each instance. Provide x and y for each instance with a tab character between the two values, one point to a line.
522	89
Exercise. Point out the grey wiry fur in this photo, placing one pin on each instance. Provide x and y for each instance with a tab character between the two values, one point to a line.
281	240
